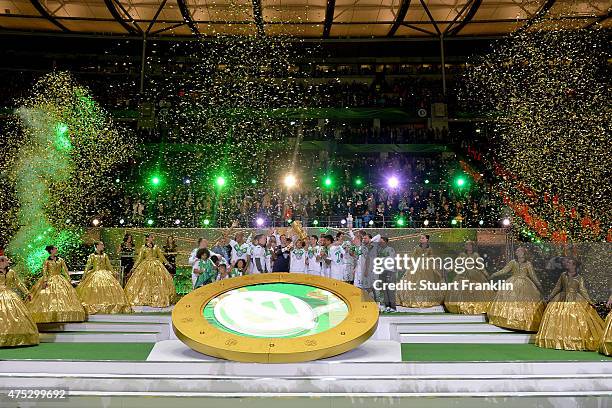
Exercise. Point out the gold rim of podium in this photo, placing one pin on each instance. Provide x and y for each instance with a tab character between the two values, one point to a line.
196	332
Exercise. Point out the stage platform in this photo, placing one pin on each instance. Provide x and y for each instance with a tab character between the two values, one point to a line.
116	360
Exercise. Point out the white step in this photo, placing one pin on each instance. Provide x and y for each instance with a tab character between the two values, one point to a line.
103	327
407	328
434	318
131	318
433	309
471	338
93	337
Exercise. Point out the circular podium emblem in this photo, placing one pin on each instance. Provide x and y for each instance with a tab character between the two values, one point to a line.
275	318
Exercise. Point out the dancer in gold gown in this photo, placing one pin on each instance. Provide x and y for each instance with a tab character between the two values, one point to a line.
150	284
16	326
606	340
466	301
421	298
570	322
522	307
99	290
53	297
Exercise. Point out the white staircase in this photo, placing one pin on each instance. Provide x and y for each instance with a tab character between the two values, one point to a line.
119	328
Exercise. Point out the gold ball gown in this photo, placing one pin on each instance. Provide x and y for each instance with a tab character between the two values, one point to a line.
606	340
53	297
522	307
468	301
99	290
150	283
421	298
16	325
570	322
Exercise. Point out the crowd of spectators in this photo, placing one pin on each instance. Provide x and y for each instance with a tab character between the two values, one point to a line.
424	197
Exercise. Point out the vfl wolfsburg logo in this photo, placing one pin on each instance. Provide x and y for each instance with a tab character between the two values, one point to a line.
265	313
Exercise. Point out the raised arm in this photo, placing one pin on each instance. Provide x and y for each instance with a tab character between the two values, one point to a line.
508	268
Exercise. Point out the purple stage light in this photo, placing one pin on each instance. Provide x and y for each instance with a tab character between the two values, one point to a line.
393	182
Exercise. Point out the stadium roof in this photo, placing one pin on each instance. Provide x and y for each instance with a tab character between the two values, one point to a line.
302	18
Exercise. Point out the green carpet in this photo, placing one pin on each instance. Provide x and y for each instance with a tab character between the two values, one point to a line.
493	352
79	351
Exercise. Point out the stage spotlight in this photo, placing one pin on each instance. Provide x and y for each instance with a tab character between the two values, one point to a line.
253	181
117	180
220	181
426	222
454	222
393	182
187	181
155	180
371	222
358	182
506	222
121	221
426	181
400	222
177	222
459	182
290	181
149	222
315	222
289	221
95	222
328	181
259	222
481	222
206	222
343	221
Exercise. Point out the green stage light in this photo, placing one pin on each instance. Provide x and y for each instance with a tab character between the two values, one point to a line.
358	182
454	222
460	182
315	223
155	180
149	222
253	181
220	181
400	222
328	182
426	181
206	222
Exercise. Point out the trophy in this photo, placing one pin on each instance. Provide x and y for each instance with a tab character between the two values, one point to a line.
296	226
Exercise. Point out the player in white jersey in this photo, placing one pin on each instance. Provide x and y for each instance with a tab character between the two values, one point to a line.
358	250
258	255
240	248
313	256
326	242
336	255
298	257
